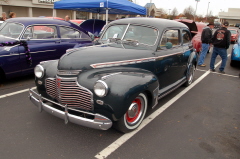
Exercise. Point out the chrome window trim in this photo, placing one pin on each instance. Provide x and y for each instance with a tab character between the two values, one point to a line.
21	36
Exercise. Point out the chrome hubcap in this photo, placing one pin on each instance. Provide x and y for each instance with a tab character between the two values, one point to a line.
133	110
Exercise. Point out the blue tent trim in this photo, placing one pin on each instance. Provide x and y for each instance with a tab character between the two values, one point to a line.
114	6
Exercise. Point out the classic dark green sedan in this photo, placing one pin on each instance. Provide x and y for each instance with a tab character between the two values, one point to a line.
136	62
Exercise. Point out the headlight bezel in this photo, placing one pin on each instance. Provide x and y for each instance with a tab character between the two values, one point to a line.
40	67
103	85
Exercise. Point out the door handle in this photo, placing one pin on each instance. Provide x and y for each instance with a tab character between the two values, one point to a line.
58	41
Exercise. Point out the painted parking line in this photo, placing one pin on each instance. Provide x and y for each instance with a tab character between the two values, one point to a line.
116	144
218	73
14	93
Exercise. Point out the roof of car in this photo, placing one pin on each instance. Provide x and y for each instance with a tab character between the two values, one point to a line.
155	22
36	20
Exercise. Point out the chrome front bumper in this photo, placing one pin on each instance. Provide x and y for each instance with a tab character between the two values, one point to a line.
99	121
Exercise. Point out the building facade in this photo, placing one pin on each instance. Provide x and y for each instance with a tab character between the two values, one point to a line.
36	8
232	16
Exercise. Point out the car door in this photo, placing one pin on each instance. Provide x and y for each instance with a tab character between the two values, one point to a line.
168	60
187	49
43	42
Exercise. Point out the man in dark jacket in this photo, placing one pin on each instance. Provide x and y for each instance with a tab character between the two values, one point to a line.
221	41
206	40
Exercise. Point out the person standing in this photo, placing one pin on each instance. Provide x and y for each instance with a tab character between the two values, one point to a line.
206	38
221	41
4	16
67	18
12	15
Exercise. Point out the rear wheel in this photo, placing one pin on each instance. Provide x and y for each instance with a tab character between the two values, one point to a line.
233	63
190	75
134	115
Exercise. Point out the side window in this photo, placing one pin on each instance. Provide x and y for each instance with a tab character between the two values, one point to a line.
85	36
40	32
69	33
170	39
186	37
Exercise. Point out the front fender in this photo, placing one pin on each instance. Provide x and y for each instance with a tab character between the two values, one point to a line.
50	70
124	85
193	58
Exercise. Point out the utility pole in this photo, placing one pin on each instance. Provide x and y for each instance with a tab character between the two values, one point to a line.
169	13
207	11
196	8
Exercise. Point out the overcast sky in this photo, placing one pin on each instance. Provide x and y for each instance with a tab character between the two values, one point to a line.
215	5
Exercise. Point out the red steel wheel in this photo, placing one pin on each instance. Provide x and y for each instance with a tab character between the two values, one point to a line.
134	115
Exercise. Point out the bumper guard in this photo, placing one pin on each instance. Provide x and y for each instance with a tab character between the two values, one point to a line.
99	121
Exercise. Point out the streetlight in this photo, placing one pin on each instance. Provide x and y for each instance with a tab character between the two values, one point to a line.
207	11
196	9
169	13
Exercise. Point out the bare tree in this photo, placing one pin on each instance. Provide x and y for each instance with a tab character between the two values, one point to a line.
189	12
174	13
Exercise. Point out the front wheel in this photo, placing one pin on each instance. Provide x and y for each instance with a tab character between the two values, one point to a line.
190	75
134	115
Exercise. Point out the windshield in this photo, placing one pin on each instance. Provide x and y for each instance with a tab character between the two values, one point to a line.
12	30
233	31
139	34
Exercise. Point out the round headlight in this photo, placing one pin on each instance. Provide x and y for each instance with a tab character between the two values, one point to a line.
100	88
39	71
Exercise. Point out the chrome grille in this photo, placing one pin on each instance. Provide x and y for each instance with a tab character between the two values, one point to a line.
67	91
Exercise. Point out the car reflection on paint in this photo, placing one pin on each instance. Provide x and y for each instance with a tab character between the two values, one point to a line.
136	62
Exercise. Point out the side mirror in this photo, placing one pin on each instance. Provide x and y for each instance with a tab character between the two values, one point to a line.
168	45
28	38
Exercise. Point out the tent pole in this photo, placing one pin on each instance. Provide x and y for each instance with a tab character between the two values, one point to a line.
107	13
106	16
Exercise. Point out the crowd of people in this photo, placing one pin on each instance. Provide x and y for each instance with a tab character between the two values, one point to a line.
221	40
4	16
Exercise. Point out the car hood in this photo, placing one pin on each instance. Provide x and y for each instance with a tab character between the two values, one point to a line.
83	58
190	23
93	26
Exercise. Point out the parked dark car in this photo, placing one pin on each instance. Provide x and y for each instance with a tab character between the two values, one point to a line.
137	62
39	39
237	24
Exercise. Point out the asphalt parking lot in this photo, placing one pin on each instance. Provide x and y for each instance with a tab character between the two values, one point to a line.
201	123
